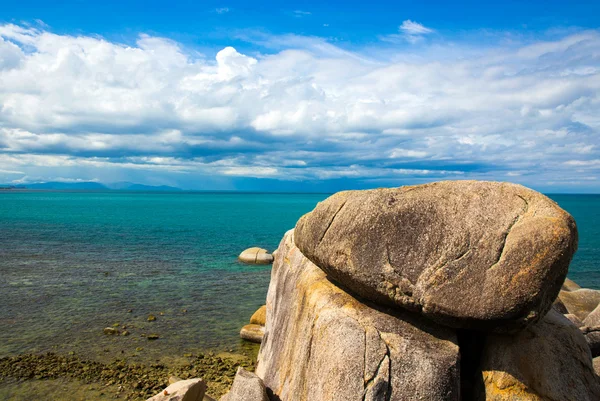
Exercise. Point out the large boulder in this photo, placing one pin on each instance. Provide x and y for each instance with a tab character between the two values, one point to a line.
549	360
467	254
184	390
256	255
246	387
580	302
323	344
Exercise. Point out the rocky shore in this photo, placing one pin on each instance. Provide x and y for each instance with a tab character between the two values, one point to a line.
122	379
441	292
446	291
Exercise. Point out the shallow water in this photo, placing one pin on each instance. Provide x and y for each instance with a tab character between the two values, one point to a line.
73	263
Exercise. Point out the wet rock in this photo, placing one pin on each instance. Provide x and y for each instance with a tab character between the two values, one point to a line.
467	254
580	302
260	316
323	344
111	331
151	318
549	360
256	255
246	387
184	390
253	332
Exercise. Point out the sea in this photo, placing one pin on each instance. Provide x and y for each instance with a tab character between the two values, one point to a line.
74	263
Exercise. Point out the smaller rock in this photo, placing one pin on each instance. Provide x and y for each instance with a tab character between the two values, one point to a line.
151	318
253	332
184	390
125	333
593	319
260	316
580	302
597	365
111	331
153	337
256	255
570	285
246	387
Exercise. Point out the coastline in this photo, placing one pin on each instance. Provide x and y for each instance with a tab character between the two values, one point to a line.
70	377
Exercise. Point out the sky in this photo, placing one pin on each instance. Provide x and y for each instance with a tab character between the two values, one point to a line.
300	96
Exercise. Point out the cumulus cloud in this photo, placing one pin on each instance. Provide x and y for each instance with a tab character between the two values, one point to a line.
82	107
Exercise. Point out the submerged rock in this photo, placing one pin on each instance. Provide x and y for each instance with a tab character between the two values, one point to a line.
260	316
466	254
253	332
256	256
323	344
580	302
184	390
246	387
549	360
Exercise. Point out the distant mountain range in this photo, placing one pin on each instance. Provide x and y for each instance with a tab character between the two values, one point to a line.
90	185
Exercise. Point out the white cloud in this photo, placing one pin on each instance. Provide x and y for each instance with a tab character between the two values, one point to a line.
300	13
306	110
222	10
414	28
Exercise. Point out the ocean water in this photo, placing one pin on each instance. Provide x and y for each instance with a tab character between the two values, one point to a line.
73	263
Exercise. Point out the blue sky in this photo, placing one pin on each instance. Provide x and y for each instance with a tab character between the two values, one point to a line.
301	95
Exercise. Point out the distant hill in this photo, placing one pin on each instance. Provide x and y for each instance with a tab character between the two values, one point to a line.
63	185
90	185
130	186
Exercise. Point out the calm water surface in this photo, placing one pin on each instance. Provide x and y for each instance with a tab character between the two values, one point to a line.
74	263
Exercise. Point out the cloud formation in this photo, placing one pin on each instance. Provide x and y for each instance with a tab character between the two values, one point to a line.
82	107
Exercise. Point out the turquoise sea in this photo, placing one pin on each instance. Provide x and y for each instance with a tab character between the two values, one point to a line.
73	263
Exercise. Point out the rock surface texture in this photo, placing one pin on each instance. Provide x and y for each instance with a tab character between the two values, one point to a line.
581	302
549	360
260	316
323	344
184	390
246	387
467	254
593	319
256	255
253	332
